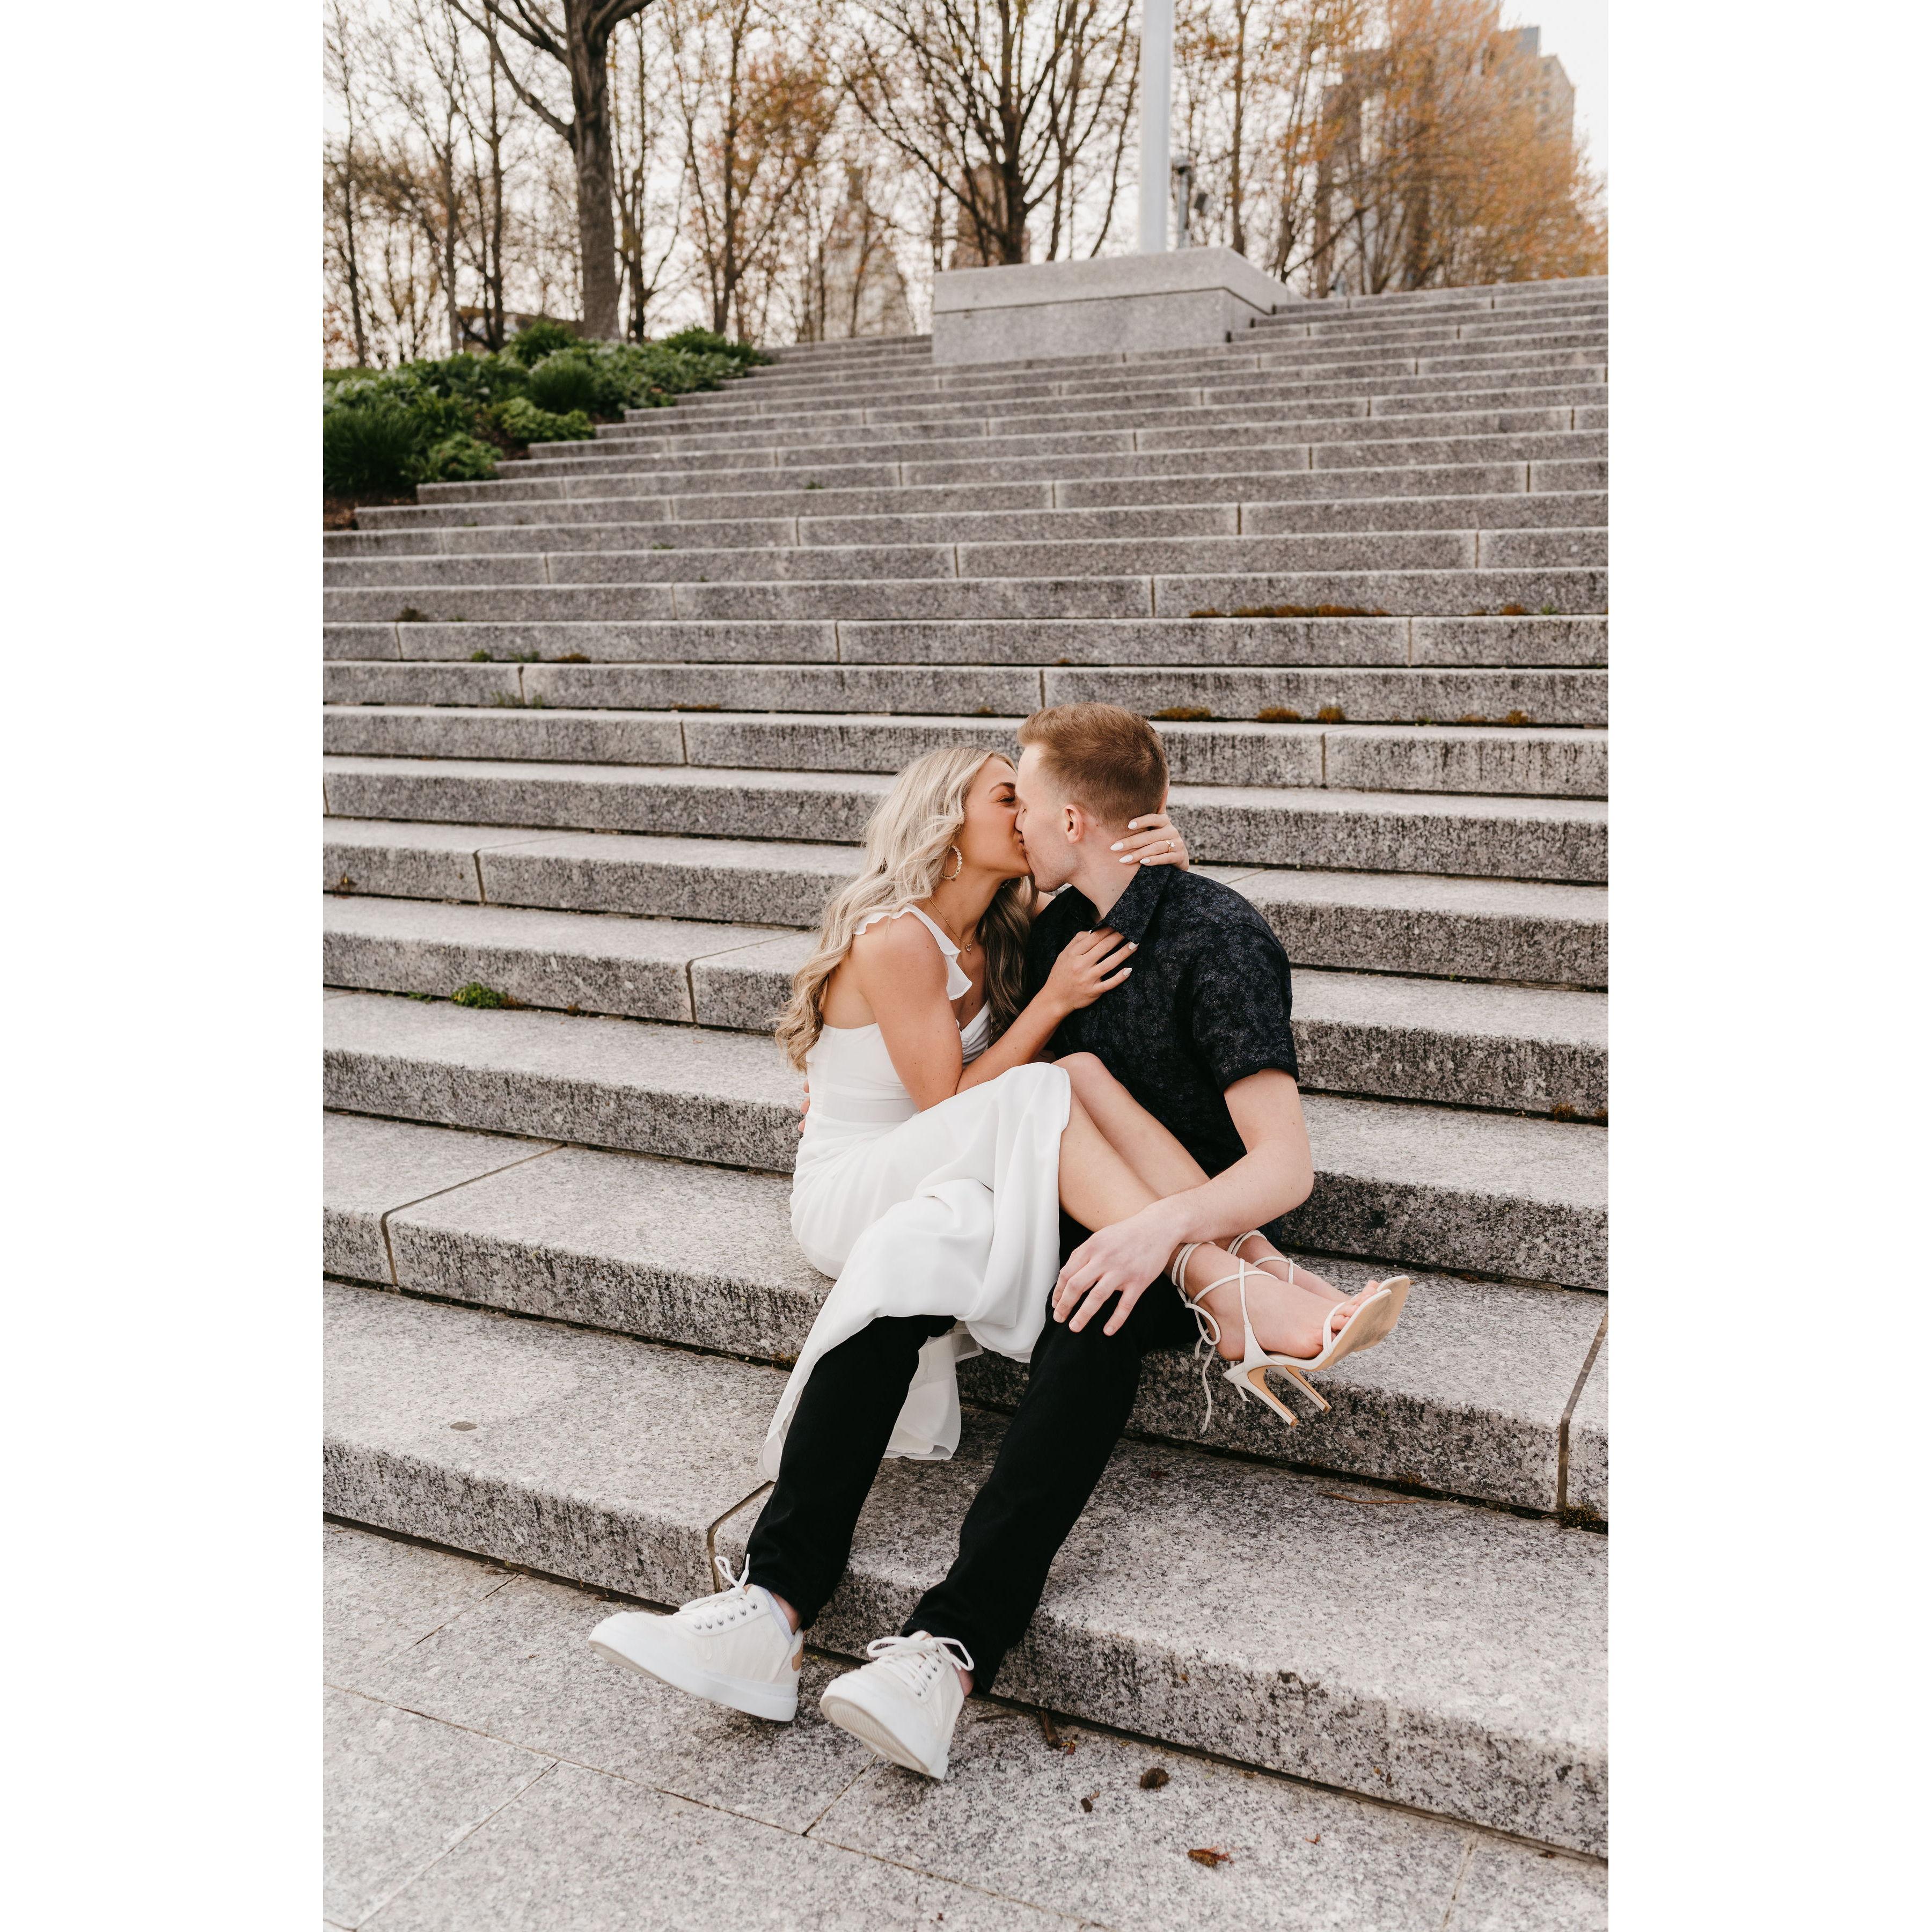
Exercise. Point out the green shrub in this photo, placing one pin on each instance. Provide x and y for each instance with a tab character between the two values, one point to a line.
708	342
522	421
461	458
476	993
530	346
384	430
369	452
571	379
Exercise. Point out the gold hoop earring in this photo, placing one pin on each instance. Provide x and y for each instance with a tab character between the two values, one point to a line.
947	878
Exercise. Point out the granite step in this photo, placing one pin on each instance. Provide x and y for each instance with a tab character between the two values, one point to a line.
1558	340
438	1659
1016	400
1158	523
767	495
1577	641
606	1460
998	413
644	476
1435	1187
1228	378
777	562
631	1243
1581	445
1365	695
1469	324
1552	590
910	402
1301	369
1560	839
1467	929
1376	1035
1514	761
1015	437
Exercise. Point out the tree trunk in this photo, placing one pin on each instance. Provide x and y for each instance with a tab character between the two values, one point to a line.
596	175
493	320
351	263
596	228
1237	239
452	217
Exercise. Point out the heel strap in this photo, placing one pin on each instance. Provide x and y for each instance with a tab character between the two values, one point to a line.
1207	1326
1234	1248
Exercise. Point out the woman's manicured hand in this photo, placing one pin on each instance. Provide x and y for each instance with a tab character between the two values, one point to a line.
1092	964
1152	841
805	1106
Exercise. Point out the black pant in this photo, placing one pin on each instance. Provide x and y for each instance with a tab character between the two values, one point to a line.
1079	1391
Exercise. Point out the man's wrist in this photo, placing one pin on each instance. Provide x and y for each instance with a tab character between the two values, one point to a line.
1168	1218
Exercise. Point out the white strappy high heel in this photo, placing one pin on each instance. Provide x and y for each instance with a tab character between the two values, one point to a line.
1250	1374
1397	1286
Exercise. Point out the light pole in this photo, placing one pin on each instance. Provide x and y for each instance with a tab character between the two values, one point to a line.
1156	94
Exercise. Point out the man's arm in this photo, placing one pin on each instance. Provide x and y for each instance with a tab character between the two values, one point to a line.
1275	1175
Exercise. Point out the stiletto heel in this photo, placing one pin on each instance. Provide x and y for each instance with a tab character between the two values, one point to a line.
1250	1374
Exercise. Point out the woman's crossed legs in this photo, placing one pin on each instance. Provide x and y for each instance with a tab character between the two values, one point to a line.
1115	1159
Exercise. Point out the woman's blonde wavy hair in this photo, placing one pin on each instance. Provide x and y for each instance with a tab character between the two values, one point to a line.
908	844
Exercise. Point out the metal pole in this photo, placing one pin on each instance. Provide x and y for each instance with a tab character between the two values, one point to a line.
1156	94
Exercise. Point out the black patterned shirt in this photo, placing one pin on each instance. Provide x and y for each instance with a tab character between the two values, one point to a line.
1208	1002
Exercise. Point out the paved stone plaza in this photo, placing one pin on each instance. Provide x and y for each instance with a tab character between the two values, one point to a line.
601	735
486	1772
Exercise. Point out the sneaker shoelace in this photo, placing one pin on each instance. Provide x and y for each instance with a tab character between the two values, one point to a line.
915	1660
729	1606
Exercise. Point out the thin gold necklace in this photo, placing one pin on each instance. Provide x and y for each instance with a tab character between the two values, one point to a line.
965	946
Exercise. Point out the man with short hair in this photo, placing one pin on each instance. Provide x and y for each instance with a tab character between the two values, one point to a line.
1199	1035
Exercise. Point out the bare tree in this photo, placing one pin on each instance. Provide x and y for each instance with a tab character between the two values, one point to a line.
1361	144
1001	104
648	235
756	103
424	78
487	110
579	44
340	170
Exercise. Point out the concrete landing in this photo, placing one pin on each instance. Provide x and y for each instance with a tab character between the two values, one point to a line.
486	1772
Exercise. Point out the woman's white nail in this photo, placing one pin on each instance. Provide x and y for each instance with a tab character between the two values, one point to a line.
1116	844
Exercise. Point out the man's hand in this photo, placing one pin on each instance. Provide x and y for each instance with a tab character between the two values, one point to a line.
1124	1260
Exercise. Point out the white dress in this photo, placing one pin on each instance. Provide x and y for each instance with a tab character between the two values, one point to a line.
952	1211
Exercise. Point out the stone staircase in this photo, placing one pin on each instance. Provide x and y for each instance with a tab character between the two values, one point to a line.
600	737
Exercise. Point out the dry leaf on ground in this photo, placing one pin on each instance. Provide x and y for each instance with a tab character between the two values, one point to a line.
1209	1855
1153	1778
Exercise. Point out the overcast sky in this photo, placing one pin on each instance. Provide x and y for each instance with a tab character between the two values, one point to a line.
1578	33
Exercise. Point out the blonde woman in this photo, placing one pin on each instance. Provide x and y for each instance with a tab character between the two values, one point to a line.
938	1152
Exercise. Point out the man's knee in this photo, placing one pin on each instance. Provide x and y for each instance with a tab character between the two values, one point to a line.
1090	1349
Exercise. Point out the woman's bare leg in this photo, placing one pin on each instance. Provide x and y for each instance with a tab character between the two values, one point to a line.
1097	1187
1159	1159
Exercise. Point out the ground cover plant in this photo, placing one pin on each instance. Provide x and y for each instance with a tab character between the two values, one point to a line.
384	430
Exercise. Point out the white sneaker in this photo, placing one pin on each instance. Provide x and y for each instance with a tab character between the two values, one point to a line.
736	1648
905	1703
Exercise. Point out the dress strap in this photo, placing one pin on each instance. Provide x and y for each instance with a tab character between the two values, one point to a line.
957	984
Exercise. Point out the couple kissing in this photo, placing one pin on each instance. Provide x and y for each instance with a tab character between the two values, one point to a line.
1053	1113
